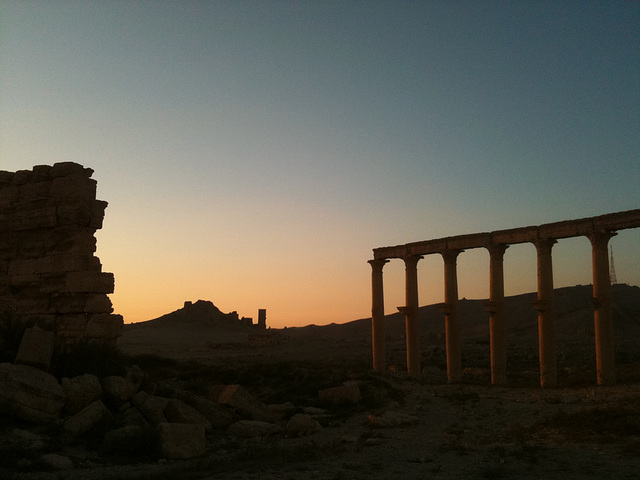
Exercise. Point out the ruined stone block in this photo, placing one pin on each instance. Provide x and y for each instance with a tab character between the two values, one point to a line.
90	282
104	326
244	403
35	348
29	393
86	419
177	411
181	440
81	391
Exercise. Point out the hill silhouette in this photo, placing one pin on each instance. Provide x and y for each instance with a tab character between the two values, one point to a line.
202	328
574	317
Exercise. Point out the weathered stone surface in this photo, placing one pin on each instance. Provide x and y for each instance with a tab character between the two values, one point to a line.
345	394
36	348
302	425
244	403
29	393
177	411
86	419
253	428
181	440
81	392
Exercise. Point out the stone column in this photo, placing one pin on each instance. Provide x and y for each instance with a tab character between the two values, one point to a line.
410	311
450	310
605	360
546	315
495	307
378	332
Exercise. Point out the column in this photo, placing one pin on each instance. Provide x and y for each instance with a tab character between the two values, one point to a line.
495	307
378	332
410	311
450	310
546	315
605	360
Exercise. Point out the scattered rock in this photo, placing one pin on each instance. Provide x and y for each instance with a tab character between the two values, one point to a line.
302	425
253	428
117	390
392	419
217	415
30	394
81	392
177	411
181	440
56	462
244	403
153	409
344	394
86	419
282	410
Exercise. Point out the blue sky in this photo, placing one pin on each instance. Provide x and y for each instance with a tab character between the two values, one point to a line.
254	153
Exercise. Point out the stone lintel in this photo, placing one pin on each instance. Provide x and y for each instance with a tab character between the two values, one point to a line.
462	242
564	229
515	235
617	221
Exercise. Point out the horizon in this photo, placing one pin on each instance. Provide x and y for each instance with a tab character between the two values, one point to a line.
255	153
387	313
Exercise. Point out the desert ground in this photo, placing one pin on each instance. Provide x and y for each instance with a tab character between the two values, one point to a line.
401	427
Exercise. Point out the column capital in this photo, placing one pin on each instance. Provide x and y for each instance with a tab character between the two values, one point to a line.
450	256
497	249
601	238
412	260
544	245
377	263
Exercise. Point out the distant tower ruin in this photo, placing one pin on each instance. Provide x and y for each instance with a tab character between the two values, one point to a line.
612	270
262	318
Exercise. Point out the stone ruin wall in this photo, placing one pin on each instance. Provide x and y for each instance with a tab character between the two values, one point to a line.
48	271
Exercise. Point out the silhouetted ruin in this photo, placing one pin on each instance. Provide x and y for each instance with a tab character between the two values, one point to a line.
48	271
597	229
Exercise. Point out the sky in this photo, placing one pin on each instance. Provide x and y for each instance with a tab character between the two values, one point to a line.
253	153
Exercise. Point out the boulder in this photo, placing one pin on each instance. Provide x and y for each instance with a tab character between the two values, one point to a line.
30	394
253	428
302	425
344	394
181	440
177	411
244	403
86	419
81	391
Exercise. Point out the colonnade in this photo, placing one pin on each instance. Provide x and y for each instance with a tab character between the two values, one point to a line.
598	229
